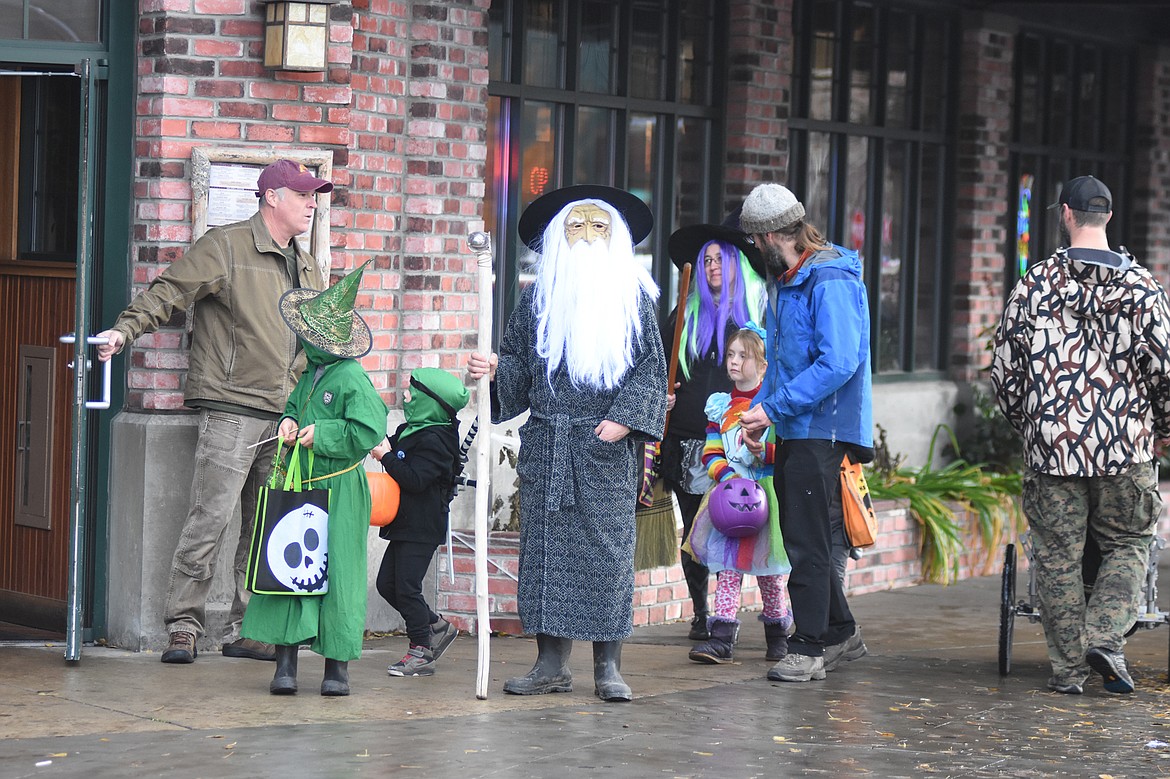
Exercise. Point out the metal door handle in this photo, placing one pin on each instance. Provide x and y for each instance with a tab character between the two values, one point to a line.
104	403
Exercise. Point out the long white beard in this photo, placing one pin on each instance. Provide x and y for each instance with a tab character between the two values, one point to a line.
587	309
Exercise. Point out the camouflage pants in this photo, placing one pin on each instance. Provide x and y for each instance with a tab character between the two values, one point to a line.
1121	513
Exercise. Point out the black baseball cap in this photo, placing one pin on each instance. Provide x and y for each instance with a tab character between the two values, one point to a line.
1085	193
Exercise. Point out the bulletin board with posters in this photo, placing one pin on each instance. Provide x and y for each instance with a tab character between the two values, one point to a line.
223	190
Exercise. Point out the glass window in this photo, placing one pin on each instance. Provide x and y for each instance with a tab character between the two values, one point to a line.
595	55
695	52
1086	88
543	43
892	264
861	72
593	152
865	183
647	51
823	60
655	140
74	21
538	151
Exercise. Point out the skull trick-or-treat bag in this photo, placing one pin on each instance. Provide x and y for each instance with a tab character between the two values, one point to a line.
290	541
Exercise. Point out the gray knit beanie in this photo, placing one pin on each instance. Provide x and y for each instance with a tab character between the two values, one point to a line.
768	208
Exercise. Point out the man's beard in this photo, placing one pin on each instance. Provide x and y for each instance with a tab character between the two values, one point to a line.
587	308
1065	236
774	261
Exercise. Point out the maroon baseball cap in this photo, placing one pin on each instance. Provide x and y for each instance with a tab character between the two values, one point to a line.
295	176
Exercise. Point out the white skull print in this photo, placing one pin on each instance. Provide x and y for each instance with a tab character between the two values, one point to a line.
298	549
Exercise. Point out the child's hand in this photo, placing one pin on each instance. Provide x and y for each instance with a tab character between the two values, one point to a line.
288	430
305	436
381	450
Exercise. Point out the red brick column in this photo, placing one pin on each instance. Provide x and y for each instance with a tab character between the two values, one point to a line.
982	189
420	73
1149	237
759	89
201	83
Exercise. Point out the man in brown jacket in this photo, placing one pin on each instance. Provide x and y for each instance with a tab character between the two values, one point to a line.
241	371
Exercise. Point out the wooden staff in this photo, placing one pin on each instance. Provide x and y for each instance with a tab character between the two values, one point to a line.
481	244
684	288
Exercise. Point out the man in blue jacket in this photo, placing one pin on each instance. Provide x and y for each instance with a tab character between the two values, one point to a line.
816	391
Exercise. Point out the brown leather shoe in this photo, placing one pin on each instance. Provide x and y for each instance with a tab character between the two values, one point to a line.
246	647
181	649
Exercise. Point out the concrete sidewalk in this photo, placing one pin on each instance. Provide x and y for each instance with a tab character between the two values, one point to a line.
927	700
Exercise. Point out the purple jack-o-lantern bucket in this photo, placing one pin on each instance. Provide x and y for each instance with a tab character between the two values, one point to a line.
738	507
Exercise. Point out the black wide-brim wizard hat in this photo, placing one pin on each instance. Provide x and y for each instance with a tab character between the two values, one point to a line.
541	211
686	243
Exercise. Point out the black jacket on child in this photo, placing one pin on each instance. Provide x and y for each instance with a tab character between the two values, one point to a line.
423	464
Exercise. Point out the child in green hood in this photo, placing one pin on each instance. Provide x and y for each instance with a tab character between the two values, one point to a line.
423	457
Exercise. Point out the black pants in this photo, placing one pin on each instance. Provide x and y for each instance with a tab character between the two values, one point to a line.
808	482
400	578
696	574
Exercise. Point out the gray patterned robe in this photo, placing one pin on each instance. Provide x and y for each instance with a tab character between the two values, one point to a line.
577	492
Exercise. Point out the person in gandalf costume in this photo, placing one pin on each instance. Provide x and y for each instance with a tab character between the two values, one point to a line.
335	413
582	353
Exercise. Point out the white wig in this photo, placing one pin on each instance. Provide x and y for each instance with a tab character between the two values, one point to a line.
587	299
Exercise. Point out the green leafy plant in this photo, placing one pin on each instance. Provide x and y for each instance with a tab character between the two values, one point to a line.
935	494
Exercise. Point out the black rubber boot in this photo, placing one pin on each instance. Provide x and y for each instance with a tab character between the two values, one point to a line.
551	672
777	637
719	648
697	576
284	681
608	683
336	681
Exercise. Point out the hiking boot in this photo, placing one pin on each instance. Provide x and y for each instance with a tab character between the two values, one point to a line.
1065	686
850	649
776	634
720	647
246	647
442	634
797	668
698	628
418	661
181	648
1111	665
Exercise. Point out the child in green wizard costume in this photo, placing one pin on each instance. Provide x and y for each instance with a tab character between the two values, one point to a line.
423	457
335	412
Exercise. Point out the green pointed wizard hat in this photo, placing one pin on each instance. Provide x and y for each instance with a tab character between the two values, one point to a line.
327	319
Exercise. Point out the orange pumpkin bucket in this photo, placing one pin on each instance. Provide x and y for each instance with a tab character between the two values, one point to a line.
384	497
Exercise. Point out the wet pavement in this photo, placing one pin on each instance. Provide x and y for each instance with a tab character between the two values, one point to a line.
928	700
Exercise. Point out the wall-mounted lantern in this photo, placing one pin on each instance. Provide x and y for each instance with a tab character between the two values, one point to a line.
296	34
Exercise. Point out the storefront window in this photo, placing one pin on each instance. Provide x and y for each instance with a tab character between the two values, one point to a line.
633	110
875	184
73	21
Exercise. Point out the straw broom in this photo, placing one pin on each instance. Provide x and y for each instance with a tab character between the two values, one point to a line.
656	539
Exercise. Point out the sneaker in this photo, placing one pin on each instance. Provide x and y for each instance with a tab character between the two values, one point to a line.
442	634
699	628
181	648
797	668
418	661
246	647
1065	686
849	650
1111	665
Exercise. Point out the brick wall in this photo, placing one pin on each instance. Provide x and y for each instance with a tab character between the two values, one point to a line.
982	187
402	107
660	594
1150	239
759	88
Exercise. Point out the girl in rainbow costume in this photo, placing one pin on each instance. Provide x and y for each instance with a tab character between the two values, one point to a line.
761	555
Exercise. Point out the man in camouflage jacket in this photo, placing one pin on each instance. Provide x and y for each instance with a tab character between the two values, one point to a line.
1082	371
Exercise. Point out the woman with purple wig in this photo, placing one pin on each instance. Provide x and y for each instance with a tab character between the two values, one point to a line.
727	293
